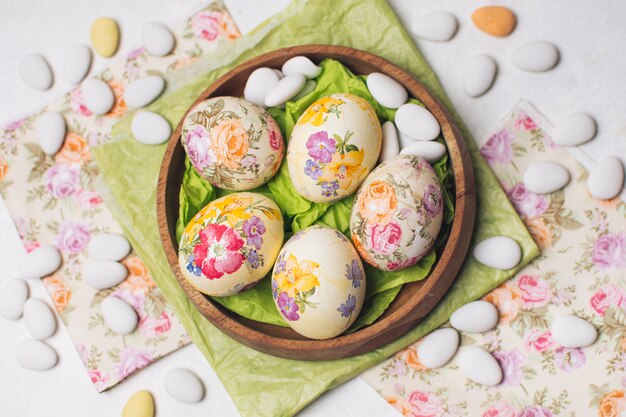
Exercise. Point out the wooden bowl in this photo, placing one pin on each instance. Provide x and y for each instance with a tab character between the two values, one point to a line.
413	302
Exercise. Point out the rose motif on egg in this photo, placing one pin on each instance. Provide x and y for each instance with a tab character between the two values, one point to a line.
397	213
231	243
233	143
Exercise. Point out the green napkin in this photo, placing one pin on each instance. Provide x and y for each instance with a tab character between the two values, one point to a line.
260	384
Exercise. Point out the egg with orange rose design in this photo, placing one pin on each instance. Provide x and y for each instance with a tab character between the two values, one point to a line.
318	283
232	142
397	213
333	146
231	243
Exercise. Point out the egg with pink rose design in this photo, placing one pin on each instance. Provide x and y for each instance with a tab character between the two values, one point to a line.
231	243
233	143
397	213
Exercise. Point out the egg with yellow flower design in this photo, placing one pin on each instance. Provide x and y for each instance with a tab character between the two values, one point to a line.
318	283
231	243
333	146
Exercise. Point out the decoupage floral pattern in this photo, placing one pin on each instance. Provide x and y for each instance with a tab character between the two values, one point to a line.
582	270
53	200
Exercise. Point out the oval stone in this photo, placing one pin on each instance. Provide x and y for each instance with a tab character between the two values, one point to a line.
157	39
480	366
35	72
140	404
104	274
76	63
494	20
386	91
417	122
150	128
144	91
98	96
35	355
12	298
535	56
475	317
573	332
285	89
499	252
110	246
545	177
184	386
606	178
39	319
301	65
390	145
438	348
429	150
574	130
51	131
41	262
437	27
105	36
259	84
119	316
478	75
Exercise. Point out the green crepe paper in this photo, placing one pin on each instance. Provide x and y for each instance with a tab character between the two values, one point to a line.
261	384
382	287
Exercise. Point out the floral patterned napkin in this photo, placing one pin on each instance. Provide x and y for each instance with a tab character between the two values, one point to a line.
53	200
582	270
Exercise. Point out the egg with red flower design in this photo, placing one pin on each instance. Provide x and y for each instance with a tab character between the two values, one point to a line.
231	243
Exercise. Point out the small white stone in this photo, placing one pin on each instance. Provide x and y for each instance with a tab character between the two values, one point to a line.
144	91
391	143
285	89
545	177
574	130
76	63
12	298
536	56
480	366
301	65
309	86
150	128
437	26
51	131
438	348
119	315
104	274
108	246
40	263
386	91
39	319
429	150
98	96
417	122
259	84
157	39
478	75
35	72
35	355
572	332
606	178
475	317
184	386
499	252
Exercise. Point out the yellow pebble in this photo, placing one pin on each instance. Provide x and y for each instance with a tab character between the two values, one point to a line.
105	36
140	404
495	20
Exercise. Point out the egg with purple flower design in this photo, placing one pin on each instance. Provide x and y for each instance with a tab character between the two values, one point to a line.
318	283
333	146
231	243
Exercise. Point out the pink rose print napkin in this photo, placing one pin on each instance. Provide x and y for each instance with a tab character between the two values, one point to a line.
53	200
581	270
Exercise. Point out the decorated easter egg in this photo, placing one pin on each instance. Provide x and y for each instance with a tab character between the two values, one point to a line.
318	283
333	146
232	142
397	213
231	243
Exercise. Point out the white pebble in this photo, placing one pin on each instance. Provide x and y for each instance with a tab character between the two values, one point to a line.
12	298
417	122
51	131
475	317
35	355
184	386
572	332
108	246
285	89
386	91
309	86
76	63
119	315
98	96
606	178
437	26
545	177
35	72
478	75
259	84
301	65
104	274
480	366
391	143
150	128
536	56
574	130
144	91
157	39
429	150
499	252
438	348
40	263
39	319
